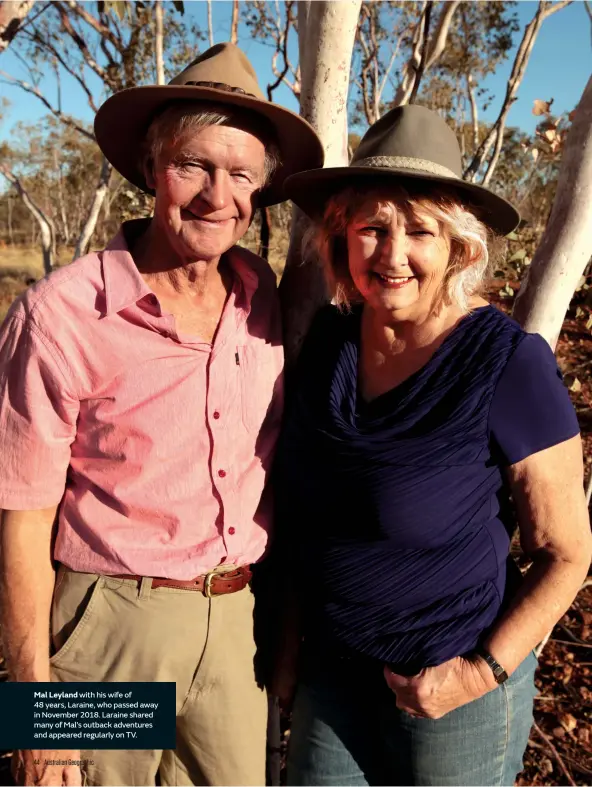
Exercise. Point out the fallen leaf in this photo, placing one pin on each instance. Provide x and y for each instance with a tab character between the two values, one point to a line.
559	732
541	107
567	673
546	766
567	721
580	312
584	735
572	383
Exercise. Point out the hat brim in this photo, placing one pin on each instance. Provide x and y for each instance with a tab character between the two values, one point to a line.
312	189
123	120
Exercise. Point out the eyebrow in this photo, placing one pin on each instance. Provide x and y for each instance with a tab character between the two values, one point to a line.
183	158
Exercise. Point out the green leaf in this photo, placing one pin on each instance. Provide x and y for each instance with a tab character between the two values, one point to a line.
581	283
512	236
579	312
518	255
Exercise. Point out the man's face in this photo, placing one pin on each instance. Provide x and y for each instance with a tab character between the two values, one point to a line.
205	190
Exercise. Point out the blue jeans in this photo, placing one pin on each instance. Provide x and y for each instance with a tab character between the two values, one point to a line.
347	730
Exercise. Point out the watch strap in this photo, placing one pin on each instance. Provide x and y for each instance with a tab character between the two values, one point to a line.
499	673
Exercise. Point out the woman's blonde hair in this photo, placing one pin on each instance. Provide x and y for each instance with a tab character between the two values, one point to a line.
470	257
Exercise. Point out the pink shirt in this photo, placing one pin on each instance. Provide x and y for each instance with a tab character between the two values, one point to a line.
158	445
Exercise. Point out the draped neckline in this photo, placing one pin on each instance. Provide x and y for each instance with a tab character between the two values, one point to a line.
349	408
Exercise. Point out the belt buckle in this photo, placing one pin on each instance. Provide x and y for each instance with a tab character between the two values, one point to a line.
207	588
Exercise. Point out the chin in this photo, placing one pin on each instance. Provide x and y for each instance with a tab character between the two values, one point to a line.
207	248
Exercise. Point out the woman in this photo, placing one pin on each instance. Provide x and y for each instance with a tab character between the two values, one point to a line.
420	413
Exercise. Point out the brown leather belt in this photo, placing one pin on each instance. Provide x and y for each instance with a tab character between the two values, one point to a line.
214	583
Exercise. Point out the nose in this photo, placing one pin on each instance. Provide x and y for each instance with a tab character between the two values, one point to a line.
215	191
394	248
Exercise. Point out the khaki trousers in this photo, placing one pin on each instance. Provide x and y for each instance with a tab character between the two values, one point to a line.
106	629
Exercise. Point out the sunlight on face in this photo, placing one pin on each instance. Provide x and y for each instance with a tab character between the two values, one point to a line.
397	258
206	187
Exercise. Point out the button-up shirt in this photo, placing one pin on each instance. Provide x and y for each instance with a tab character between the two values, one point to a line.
158	445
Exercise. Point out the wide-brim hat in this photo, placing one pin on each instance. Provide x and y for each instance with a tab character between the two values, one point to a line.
408	142
224	75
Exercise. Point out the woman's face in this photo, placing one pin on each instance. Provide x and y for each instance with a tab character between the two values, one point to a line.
397	258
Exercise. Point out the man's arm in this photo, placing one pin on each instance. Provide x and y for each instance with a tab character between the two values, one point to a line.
26	588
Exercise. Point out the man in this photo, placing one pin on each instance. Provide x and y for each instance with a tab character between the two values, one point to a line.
140	401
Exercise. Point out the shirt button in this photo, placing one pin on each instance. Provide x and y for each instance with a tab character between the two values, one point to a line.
222	473
216	414
231	531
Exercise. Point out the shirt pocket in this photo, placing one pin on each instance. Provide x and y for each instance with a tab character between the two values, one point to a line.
258	375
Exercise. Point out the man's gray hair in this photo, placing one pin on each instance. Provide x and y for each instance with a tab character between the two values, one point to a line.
184	116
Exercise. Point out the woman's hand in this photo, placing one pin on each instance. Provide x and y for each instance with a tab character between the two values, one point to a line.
436	691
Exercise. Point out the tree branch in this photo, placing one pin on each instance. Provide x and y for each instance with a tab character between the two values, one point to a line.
518	69
441	32
82	45
66	119
474	112
103	30
424	49
556	754
35	36
210	26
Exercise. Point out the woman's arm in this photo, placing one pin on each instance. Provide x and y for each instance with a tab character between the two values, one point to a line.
555	533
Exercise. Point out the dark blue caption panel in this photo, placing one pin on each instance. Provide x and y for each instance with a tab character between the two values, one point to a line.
87	715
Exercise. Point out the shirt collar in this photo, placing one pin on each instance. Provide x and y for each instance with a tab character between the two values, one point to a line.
125	286
123	283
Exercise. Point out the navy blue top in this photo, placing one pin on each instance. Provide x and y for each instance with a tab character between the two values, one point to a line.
397	510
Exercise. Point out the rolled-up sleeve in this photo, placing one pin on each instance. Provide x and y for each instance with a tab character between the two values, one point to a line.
38	414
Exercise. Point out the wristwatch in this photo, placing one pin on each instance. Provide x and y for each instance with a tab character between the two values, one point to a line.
499	673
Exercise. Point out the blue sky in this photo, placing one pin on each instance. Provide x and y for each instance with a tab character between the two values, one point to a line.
559	68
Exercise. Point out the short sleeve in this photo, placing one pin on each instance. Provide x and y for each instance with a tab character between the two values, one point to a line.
38	415
531	409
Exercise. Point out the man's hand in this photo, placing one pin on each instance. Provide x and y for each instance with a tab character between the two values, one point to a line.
436	691
32	768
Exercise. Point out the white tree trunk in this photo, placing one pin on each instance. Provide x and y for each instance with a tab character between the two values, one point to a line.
12	13
44	223
566	245
93	213
326	32
158	39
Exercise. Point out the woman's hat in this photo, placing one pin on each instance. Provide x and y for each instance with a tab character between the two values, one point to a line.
222	74
409	142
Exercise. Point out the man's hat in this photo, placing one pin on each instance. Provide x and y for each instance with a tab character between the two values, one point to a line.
224	75
409	142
